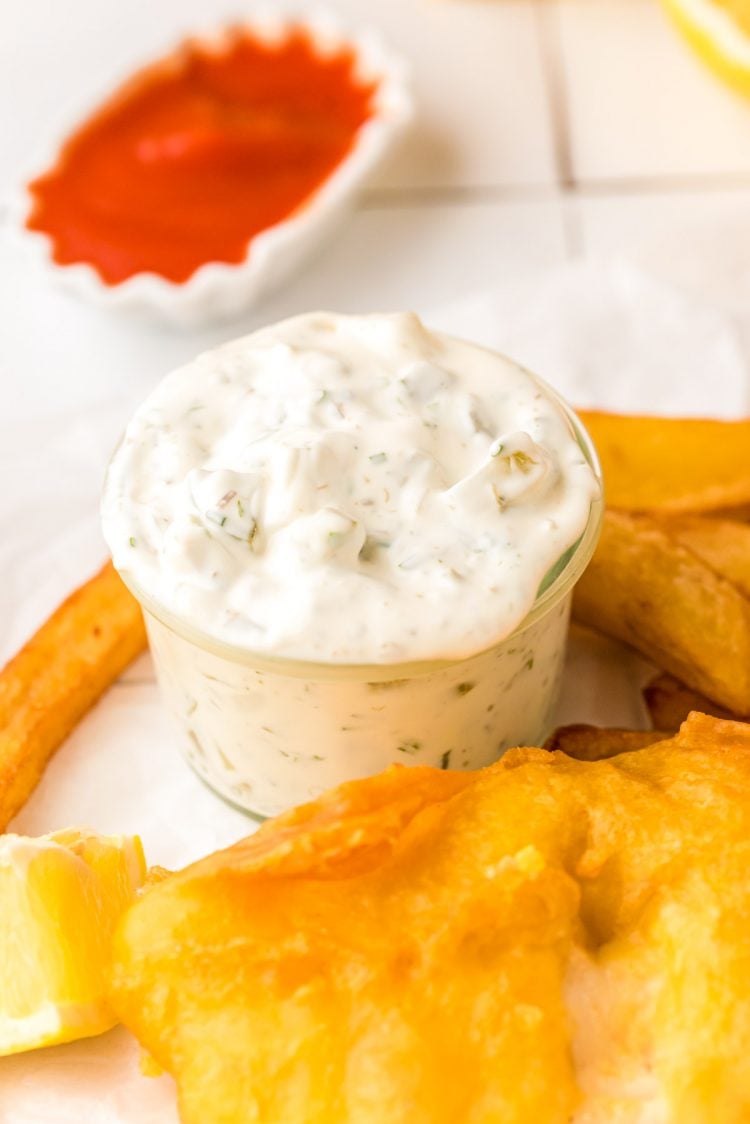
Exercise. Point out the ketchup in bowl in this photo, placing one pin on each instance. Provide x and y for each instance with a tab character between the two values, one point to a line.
199	153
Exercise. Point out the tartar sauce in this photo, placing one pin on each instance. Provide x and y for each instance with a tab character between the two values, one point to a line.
347	490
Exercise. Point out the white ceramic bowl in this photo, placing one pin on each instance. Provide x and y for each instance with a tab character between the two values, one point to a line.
218	290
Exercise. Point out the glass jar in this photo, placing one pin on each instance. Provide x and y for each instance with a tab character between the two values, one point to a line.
267	733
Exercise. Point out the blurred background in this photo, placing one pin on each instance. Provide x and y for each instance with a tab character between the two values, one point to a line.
546	130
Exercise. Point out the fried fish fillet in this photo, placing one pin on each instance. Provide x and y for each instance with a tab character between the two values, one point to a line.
594	743
546	941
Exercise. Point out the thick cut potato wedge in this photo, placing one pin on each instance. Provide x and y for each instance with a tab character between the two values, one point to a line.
723	543
58	675
596	743
672	464
669	702
646	589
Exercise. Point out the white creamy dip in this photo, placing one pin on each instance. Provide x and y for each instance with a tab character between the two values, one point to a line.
347	490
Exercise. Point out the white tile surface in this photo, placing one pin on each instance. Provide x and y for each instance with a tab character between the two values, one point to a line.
476	67
698	240
480	89
419	256
57	350
639	103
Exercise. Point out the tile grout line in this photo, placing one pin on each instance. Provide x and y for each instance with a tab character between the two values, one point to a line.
549	39
438	195
547	23
666	184
489	194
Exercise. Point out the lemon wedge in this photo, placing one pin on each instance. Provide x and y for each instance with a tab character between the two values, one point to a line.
719	30
60	898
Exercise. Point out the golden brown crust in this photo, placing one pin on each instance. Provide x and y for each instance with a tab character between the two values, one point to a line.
58	675
648	590
723	544
672	464
555	941
596	743
669	702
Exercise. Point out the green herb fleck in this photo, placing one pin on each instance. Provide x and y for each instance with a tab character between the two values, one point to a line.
498	450
378	458
131	540
410	747
464	688
240	508
370	545
500	500
529	663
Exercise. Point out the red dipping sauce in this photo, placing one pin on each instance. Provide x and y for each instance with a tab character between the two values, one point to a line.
199	153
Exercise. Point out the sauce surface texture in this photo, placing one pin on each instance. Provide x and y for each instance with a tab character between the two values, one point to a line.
348	490
198	154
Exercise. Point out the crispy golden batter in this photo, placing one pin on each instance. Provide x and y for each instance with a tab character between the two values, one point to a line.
595	743
723	544
647	589
672	464
547	941
669	702
58	675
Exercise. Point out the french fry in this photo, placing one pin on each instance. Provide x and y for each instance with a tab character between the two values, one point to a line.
723	544
646	589
669	702
595	743
58	675
672	464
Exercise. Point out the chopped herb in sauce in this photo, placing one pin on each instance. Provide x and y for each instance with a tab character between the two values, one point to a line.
409	747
